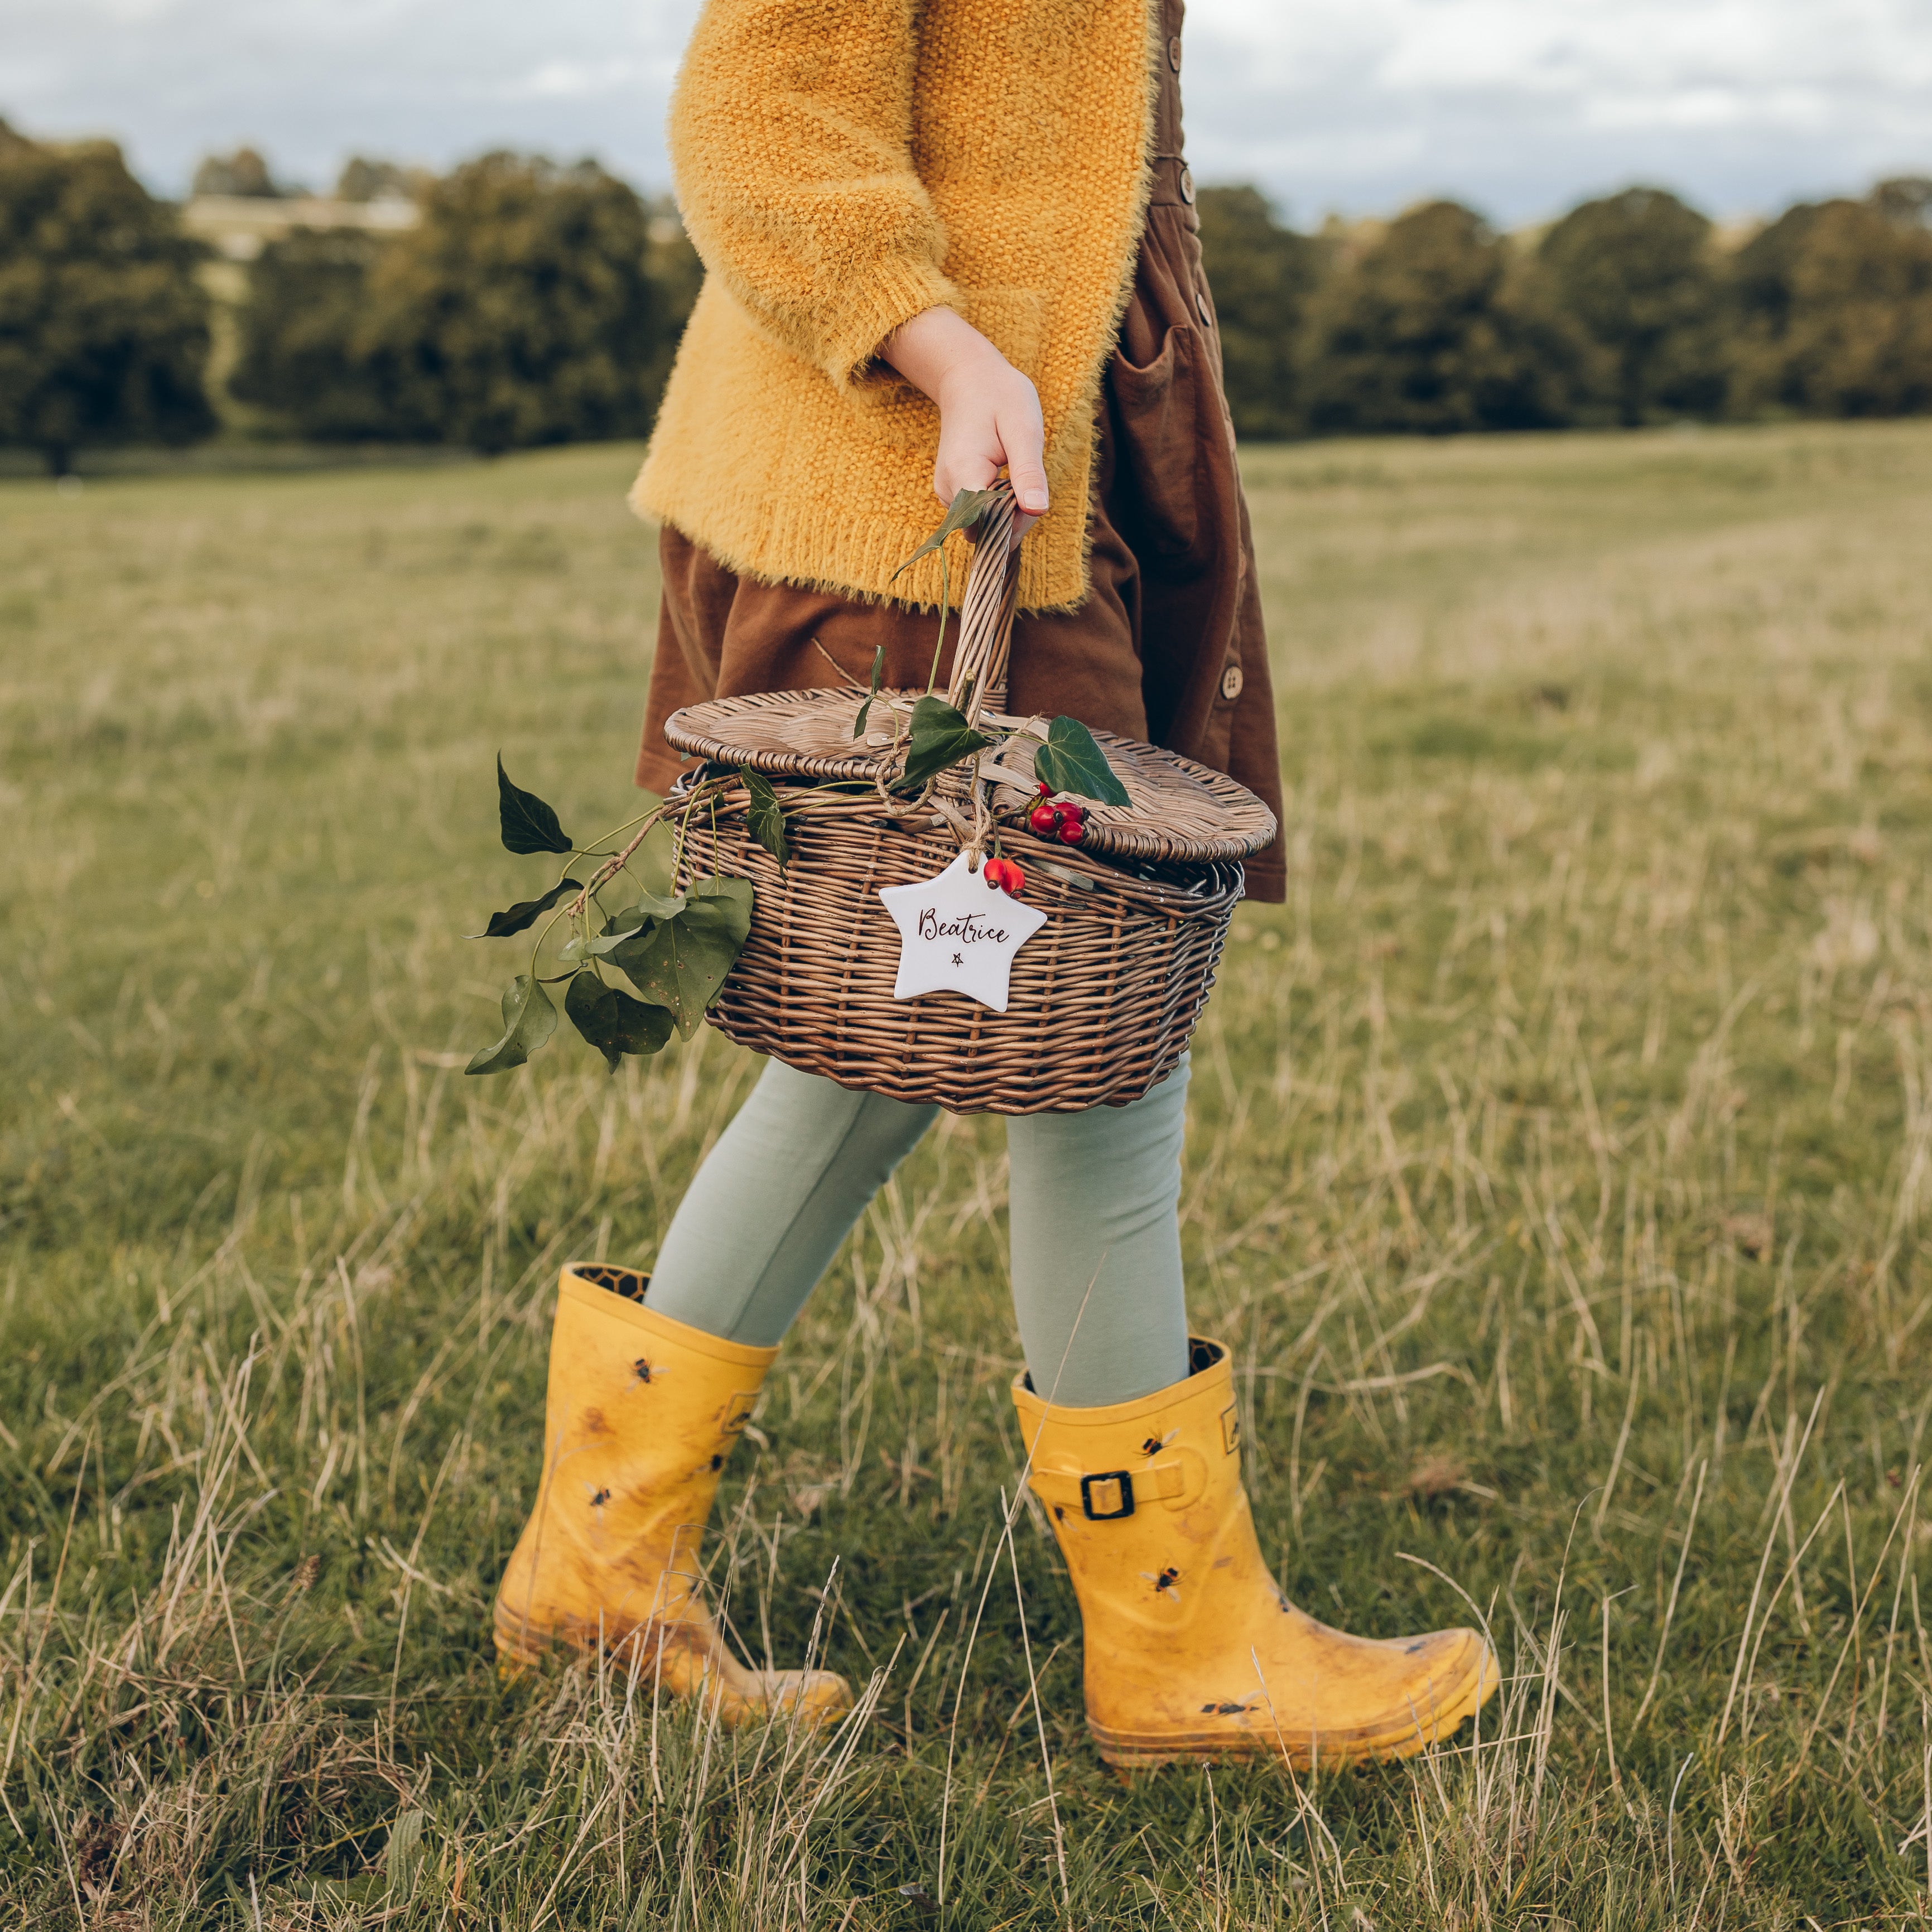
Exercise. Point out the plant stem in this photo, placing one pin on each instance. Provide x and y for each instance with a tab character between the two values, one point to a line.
613	866
945	611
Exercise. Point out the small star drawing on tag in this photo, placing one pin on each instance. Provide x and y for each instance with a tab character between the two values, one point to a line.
958	934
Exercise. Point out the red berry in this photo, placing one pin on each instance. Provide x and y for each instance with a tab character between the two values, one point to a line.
1071	831
1045	819
1044	790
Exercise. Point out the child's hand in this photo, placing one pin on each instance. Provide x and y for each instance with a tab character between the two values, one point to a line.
988	412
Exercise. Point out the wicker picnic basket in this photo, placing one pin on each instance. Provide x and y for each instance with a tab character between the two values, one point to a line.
1102	999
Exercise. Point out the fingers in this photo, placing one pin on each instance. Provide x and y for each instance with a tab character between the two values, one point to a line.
990	420
1026	464
965	469
978	469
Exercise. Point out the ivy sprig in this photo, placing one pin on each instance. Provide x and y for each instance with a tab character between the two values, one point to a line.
1068	759
675	948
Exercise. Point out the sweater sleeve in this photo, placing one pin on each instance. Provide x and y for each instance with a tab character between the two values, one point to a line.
790	134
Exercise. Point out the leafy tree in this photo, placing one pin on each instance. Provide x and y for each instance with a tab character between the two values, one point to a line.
520	311
297	356
1906	199
1834	306
532	305
103	326
1263	276
244	172
362	180
1433	329
1637	271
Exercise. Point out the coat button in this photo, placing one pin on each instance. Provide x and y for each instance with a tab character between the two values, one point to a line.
1174	53
1231	681
1186	185
1201	303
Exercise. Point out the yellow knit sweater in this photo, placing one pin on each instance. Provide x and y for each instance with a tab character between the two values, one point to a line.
843	165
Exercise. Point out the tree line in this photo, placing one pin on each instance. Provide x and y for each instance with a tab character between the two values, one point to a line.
531	305
534	304
1628	311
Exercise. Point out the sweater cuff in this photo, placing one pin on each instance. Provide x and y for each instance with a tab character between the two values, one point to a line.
880	306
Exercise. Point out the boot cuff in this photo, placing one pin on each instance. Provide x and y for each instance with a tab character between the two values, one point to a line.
618	1295
1208	1367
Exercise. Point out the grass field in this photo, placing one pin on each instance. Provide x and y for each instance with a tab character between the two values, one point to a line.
1560	1173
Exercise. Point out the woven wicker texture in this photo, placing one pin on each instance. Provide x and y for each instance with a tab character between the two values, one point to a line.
1102	1000
1180	810
1177	809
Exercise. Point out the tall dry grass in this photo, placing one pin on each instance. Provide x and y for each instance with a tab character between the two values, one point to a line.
1559	1174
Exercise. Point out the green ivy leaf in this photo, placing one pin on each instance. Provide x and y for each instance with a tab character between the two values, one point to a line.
965	510
529	1020
525	913
680	963
612	1021
1070	761
941	736
729	900
529	825
620	926
766	820
865	710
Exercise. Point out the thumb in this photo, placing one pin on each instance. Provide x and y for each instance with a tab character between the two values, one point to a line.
1028	474
1026	468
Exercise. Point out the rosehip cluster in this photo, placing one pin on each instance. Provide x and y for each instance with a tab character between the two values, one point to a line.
1004	874
1058	818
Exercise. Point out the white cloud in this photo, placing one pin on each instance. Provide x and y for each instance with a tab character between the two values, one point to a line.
1519	105
577	80
1522	103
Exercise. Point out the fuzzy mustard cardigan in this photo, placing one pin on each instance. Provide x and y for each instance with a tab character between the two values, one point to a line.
842	166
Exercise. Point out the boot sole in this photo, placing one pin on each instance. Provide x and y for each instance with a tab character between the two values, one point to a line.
1394	1738
522	1646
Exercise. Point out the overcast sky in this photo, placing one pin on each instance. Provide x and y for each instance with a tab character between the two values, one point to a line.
1520	107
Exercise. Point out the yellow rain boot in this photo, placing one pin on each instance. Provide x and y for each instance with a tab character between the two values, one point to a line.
640	1414
1192	1651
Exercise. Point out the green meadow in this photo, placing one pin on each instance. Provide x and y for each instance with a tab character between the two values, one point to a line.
1560	1174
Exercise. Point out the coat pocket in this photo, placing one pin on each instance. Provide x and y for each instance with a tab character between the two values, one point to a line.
1167	419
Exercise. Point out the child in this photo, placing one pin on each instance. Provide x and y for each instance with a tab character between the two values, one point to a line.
941	241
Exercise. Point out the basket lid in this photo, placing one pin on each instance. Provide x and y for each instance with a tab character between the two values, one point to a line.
1179	811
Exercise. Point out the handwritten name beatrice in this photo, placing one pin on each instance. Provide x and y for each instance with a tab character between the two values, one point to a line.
969	927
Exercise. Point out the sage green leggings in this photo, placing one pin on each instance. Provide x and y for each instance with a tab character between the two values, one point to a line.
1093	1212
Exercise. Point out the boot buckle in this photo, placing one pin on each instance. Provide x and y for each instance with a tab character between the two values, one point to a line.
1114	1486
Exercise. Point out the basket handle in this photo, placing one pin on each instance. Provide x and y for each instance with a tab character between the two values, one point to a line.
986	610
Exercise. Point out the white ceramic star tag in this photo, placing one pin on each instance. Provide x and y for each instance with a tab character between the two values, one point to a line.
957	933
